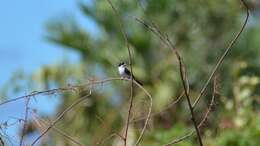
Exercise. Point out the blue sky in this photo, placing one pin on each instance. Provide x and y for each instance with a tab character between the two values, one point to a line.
22	27
23	47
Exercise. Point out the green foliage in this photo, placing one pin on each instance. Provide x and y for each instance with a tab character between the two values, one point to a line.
246	136
162	136
201	31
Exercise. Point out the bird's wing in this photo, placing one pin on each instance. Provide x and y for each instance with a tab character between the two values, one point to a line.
127	72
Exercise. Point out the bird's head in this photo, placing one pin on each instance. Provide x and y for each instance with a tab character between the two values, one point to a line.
122	64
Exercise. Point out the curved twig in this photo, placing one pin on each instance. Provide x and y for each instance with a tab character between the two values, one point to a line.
93	82
34	93
61	116
182	69
131	69
46	123
203	119
109	137
221	59
180	139
163	110
148	115
62	89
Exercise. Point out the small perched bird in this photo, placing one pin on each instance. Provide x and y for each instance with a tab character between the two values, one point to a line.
125	73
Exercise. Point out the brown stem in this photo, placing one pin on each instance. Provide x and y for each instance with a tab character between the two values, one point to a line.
221	59
131	69
47	123
203	119
172	103
61	116
189	102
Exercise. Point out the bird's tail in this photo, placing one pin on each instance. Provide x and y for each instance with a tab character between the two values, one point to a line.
138	82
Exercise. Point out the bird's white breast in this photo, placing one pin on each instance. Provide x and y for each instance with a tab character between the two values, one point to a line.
121	70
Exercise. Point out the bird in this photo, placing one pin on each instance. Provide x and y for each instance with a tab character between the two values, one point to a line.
125	73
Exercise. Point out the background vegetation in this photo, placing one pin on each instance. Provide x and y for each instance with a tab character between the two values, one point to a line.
201	31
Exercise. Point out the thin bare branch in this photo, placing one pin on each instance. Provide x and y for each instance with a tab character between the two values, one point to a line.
27	100
46	123
109	137
6	137
93	82
165	39
221	59
203	119
75	103
131	69
148	114
34	93
175	101
180	139
211	103
186	89
64	89
156	31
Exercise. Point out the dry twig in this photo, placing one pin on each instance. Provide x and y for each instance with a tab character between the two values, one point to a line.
109	137
34	93
165	39
168	43
175	101
46	123
27	100
203	119
93	82
61	116
132	84
221	59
